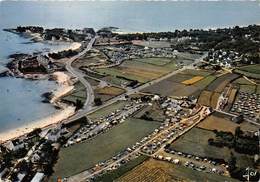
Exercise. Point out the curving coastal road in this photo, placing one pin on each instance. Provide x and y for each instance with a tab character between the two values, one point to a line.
90	93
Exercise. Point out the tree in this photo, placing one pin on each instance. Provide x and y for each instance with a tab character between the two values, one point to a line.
78	104
238	132
232	162
210	141
98	101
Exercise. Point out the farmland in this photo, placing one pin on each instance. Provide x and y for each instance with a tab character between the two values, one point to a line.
159	171
174	85
210	96
195	142
142	71
113	175
101	147
155	61
231	99
192	80
221	122
220	83
108	92
252	71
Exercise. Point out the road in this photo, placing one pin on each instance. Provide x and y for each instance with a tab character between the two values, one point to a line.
198	117
83	176
86	110
90	93
233	115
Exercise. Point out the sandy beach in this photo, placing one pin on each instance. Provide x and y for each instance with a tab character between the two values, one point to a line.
65	86
66	112
73	46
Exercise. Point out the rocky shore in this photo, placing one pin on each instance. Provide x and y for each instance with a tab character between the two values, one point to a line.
38	66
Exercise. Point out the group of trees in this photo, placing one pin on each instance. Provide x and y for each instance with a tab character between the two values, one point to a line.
98	101
239	141
63	54
34	29
240	39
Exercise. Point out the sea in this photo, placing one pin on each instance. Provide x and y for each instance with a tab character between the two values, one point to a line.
20	99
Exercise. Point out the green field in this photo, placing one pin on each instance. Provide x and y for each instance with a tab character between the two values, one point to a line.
252	71
173	85
79	93
139	70
196	72
196	142
82	156
205	82
116	80
155	61
242	81
247	88
258	89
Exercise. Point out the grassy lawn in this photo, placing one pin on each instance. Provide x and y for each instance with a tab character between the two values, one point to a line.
107	110
79	157
160	171
78	93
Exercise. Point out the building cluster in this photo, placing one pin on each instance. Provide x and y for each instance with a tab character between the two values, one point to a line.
248	105
223	58
68	34
30	64
28	158
119	53
177	109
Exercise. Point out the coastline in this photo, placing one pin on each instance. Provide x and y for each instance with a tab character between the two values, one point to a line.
65	86
65	111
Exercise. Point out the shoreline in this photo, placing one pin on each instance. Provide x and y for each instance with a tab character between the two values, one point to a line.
180	29
55	118
66	86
